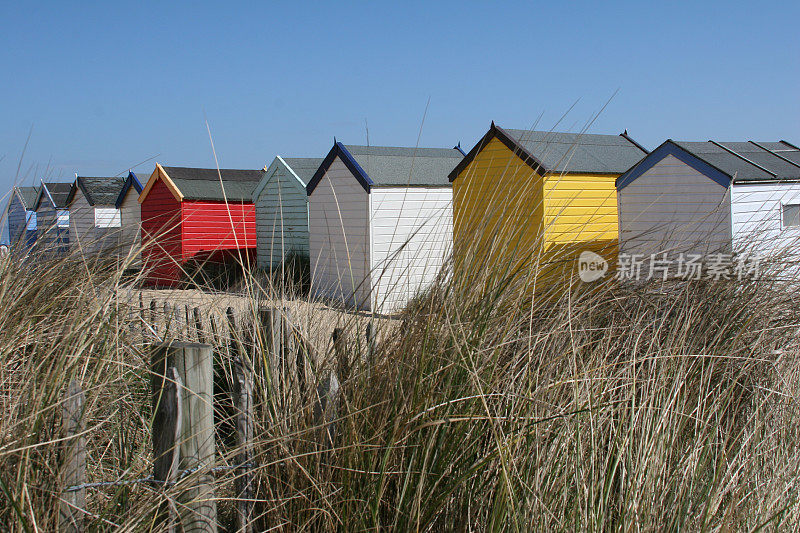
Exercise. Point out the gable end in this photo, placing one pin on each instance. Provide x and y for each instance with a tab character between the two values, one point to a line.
501	135
670	148
352	165
160	173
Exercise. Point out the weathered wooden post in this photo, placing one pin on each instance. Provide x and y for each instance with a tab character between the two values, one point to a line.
370	355
153	321
326	410
214	332
194	364
340	350
303	353
167	391
178	322
198	325
167	318
187	318
73	498
244	433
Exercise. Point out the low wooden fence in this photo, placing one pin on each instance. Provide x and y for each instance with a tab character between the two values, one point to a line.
183	375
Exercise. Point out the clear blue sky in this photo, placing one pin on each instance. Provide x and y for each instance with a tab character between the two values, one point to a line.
105	87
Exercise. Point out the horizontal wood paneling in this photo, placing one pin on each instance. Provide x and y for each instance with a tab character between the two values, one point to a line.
161	236
17	219
281	217
50	237
498	213
84	235
338	238
131	215
674	208
757	218
580	208
214	226
411	238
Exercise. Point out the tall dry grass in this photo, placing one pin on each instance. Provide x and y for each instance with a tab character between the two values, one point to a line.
617	407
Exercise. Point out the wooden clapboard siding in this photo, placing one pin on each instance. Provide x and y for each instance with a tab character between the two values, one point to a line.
411	238
676	209
161	236
281	216
339	238
579	208
209	226
84	235
131	220
17	217
49	236
498	213
756	212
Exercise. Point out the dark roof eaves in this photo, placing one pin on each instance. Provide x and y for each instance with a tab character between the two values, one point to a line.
709	170
131	181
790	145
511	143
628	138
348	160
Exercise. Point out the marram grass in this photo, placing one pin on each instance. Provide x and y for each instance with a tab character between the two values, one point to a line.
630	407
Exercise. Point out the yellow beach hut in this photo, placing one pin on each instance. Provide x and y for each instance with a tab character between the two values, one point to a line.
527	203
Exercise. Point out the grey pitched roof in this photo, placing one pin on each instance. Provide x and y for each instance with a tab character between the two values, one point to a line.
749	161
27	195
406	166
60	192
101	191
579	152
204	184
304	167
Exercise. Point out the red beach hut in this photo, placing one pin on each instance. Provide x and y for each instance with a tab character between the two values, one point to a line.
198	215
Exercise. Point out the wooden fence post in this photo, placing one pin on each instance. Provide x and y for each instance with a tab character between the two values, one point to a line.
326	409
187	317
73	500
244	432
167	425
167	318
194	364
214	332
178	322
340	350
198	325
371	346
153	321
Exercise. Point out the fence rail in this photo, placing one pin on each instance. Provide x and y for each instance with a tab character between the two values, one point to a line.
187	366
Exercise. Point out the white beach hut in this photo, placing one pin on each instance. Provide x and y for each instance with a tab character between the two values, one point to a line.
380	223
712	197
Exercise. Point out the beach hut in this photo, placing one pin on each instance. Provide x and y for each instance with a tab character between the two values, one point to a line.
131	215
94	221
380	223
21	217
104	214
52	216
527	203
191	215
708	198
281	205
